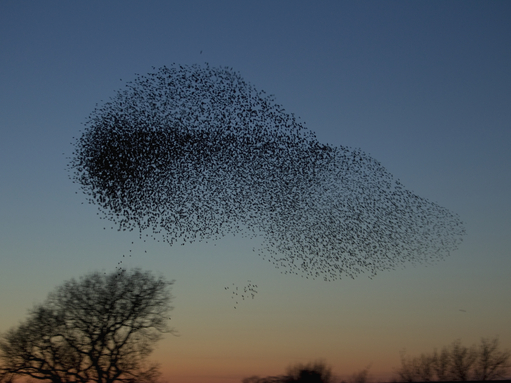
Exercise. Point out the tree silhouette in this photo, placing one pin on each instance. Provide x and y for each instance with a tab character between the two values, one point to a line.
492	363
462	359
100	328
457	362
313	372
440	362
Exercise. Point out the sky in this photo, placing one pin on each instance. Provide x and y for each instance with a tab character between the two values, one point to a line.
423	87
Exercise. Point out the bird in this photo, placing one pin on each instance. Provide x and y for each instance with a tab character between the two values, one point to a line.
191	153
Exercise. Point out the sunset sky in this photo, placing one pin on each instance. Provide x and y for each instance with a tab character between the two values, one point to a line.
423	87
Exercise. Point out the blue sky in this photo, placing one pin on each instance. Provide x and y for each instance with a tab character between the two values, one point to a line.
423	87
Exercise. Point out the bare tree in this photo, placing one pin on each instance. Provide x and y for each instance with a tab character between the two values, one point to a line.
441	362
491	362
407	371
101	329
416	369
424	367
457	362
462	359
453	363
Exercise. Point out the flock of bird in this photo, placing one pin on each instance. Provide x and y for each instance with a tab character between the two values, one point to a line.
192	153
237	293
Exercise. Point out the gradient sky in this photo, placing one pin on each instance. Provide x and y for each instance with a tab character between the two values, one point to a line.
423	87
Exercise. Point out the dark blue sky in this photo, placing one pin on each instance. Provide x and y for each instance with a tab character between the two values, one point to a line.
424	87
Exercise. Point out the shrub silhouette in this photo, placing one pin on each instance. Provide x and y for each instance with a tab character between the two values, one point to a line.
313	372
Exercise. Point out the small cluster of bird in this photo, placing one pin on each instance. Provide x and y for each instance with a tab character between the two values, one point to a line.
249	290
192	153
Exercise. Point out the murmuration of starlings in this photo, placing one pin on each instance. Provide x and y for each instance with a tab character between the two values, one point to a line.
193	153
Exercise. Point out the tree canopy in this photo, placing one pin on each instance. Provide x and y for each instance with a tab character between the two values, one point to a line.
100	328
